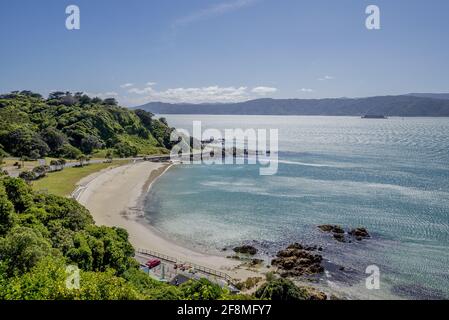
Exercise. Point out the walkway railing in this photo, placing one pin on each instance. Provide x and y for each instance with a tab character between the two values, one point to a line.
206	270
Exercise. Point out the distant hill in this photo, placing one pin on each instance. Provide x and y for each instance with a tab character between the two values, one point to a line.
403	106
444	96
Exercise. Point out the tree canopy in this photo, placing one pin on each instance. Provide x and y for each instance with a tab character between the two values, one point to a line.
66	125
41	234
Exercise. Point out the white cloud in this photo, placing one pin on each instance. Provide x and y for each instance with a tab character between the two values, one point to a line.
126	85
326	78
210	94
215	10
141	91
206	94
264	90
307	90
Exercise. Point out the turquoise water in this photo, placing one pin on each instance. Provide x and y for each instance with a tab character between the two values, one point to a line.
391	176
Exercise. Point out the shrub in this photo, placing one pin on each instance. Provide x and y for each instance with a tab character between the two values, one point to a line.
69	152
284	289
202	289
19	193
6	212
124	150
40	171
22	249
28	176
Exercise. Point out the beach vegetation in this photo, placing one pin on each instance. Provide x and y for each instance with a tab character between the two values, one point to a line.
285	290
202	289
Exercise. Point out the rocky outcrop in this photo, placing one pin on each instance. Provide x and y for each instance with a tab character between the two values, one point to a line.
297	260
339	233
340	237
246	249
331	228
359	233
314	294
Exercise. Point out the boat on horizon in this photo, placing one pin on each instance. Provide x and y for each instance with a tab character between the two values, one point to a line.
374	116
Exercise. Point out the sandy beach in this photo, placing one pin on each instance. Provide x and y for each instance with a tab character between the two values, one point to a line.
114	198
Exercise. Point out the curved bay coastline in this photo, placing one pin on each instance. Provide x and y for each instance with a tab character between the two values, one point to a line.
115	198
334	170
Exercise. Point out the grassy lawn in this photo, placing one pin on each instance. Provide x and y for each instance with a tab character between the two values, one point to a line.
28	165
63	183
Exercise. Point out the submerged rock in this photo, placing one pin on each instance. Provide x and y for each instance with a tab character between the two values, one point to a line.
337	231
359	233
246	249
331	228
340	237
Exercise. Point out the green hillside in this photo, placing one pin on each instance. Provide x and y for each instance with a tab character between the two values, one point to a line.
68	125
41	235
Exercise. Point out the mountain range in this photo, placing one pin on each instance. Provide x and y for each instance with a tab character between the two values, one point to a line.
409	105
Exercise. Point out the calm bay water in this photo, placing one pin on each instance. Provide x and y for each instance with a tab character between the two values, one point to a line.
391	176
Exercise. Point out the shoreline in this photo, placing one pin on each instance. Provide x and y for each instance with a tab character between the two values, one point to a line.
115	198
118	201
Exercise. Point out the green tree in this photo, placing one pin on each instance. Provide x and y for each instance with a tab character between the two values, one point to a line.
47	281
6	212
124	150
41	171
82	159
284	289
22	248
19	193
90	143
70	213
28	176
54	138
110	102
68	151
24	142
109	156
81	254
202	289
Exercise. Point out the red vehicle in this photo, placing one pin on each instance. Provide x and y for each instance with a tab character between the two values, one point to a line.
153	263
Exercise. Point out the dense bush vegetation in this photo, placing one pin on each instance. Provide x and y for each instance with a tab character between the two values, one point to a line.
67	125
40	235
286	290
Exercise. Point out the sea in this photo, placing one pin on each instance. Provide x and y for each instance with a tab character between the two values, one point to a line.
388	175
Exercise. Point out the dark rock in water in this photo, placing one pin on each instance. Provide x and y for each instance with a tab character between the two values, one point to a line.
296	260
331	228
340	237
337	231
246	249
359	233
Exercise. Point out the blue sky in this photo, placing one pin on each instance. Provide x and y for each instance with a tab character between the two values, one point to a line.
216	50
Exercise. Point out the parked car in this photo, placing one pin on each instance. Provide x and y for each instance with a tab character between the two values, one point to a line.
153	263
